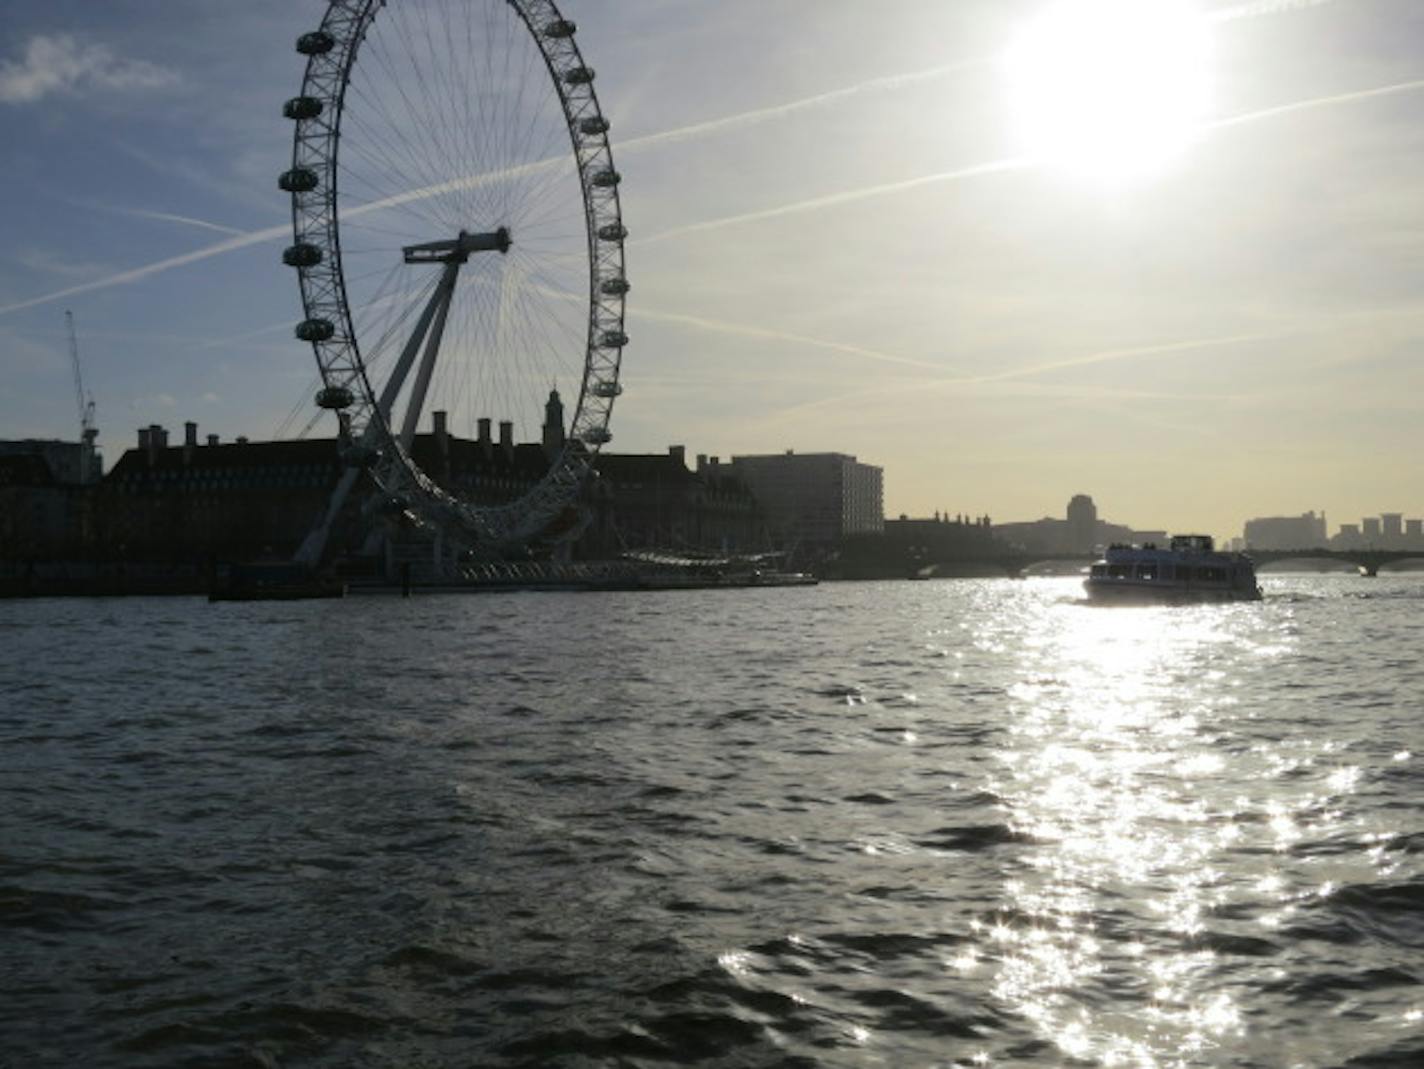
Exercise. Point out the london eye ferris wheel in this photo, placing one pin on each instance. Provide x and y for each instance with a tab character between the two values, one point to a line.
458	239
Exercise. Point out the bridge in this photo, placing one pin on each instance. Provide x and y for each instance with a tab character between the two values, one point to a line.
1016	565
1368	561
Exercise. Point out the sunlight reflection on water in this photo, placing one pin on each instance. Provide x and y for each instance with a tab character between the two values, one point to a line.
1130	801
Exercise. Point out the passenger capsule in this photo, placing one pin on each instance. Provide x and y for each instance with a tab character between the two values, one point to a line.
560	28
606	179
595	124
302	108
335	398
316	43
613	232
578	76
613	339
614	287
315	330
297	180
302	254
597	436
607	389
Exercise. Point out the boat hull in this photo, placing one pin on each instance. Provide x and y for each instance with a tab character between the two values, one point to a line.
1127	592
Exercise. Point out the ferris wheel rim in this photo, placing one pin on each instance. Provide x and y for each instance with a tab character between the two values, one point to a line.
329	323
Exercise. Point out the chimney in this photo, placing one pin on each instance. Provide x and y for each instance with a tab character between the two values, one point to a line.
190	441
440	425
506	439
143	438
486	448
212	439
678	455
701	463
157	439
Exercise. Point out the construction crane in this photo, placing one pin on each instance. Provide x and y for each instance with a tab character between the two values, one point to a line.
87	431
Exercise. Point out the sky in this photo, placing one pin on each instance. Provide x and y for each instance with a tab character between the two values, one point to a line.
838	241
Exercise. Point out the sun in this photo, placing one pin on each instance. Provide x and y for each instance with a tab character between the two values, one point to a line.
1110	89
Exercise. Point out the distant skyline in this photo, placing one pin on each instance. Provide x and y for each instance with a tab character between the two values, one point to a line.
839	242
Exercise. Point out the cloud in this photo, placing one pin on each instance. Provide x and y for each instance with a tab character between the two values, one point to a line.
60	64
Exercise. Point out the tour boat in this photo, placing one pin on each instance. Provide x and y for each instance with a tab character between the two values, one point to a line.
1189	569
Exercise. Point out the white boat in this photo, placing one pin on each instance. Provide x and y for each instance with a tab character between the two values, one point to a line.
1189	569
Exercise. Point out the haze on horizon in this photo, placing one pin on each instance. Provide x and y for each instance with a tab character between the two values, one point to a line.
842	239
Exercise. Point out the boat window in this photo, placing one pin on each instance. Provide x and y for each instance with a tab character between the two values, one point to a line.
1147	571
1100	570
1184	572
1120	571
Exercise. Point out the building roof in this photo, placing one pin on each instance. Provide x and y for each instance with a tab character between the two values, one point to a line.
527	462
465	456
25	470
643	468
227	455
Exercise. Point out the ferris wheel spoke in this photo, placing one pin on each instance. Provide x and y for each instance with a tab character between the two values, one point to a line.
415	93
380	168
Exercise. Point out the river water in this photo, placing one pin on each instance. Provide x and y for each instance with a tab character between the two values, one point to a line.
949	823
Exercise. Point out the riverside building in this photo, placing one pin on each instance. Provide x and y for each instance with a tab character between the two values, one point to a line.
203	500
1306	531
814	499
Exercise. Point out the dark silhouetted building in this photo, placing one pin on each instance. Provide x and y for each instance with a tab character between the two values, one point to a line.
814	499
1286	532
1082	530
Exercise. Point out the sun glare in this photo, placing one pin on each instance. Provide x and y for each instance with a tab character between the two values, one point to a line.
1110	89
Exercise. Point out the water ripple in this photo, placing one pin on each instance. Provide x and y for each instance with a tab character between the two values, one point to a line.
941	824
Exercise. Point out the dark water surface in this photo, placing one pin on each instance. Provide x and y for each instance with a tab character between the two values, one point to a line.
940	824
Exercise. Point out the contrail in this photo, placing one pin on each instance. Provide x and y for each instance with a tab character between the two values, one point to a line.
1010	164
273	233
238	339
769	334
1318	102
256	237
1108	355
1103	356
721	326
1265	7
848	196
1100	357
780	111
169	217
741	119
134	274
